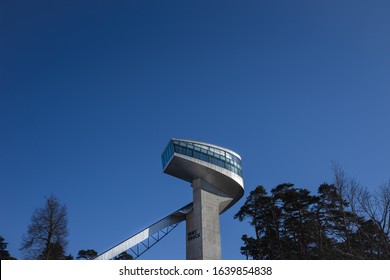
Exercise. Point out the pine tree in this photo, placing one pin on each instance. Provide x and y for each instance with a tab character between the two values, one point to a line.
4	254
124	256
89	254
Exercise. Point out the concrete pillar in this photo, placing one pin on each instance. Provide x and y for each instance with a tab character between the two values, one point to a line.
203	238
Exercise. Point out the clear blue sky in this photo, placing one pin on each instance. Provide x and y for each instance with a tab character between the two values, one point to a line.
92	91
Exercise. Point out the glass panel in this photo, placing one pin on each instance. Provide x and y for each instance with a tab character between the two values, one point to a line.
205	153
197	154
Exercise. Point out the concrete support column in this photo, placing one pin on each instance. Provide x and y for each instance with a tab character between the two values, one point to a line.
203	238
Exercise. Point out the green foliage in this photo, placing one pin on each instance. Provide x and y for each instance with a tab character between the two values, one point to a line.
290	223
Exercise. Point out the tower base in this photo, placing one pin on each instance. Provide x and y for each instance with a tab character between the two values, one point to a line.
203	238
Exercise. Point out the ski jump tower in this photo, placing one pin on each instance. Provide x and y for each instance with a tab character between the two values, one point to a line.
215	175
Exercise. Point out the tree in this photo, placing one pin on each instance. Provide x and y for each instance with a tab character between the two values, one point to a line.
343	221
296	221
368	216
263	215
89	254
336	223
124	256
4	254
284	223
47	233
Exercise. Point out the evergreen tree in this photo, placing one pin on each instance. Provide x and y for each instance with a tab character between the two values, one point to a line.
55	251
89	254
291	223
124	256
4	254
296	208
262	214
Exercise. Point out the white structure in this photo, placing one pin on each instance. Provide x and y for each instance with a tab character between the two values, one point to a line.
215	175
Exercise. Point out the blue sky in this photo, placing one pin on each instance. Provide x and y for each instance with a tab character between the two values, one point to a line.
92	91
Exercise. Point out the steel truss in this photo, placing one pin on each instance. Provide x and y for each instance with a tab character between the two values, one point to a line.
147	238
143	246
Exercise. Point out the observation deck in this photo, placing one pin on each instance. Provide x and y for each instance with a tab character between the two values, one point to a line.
220	167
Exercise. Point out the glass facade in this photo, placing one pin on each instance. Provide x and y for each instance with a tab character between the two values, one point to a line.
203	152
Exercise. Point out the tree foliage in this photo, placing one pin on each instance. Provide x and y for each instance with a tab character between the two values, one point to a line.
124	256
47	232
341	222
89	254
4	254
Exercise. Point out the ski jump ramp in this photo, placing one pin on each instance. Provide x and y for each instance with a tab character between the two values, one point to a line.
215	175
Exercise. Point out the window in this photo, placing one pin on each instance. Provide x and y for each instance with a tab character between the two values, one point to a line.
197	155
189	152
205	153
